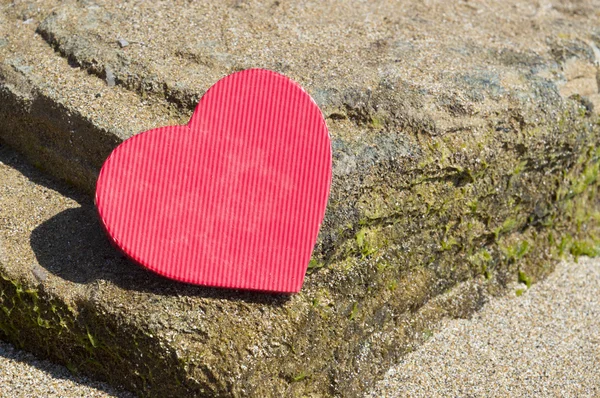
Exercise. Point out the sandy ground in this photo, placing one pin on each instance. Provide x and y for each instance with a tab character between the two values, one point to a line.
545	343
23	375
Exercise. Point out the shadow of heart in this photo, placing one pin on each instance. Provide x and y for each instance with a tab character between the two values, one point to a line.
72	245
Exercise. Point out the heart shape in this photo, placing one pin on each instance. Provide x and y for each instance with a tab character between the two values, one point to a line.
233	199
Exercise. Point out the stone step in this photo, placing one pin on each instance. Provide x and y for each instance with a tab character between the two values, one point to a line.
464	140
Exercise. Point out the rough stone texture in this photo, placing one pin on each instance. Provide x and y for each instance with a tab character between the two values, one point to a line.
464	137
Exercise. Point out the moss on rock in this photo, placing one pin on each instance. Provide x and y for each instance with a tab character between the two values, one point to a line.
459	167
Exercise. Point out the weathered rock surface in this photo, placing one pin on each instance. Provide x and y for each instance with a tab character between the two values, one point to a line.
464	138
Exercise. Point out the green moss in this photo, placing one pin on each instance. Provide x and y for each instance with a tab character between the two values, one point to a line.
565	244
376	123
525	279
314	265
427	334
72	368
585	248
366	242
448	244
91	339
588	177
520	167
508	225
360	237
31	318
353	312
473	205
517	251
299	377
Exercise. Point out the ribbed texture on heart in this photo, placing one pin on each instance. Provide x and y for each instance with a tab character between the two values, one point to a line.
235	198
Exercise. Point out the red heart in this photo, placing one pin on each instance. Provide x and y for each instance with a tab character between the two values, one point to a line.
233	199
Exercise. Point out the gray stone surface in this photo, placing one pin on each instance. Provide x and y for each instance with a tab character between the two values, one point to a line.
464	138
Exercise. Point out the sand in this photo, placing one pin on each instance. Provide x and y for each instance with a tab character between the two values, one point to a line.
545	343
23	375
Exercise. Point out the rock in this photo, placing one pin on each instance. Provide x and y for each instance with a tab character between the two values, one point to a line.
110	77
464	158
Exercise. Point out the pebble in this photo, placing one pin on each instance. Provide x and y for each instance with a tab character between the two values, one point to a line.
122	43
110	77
